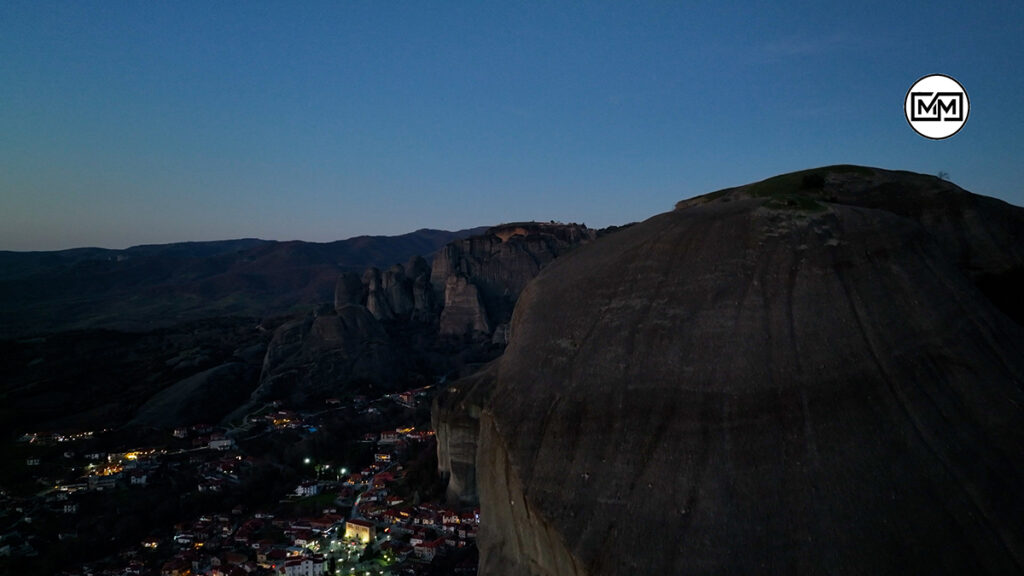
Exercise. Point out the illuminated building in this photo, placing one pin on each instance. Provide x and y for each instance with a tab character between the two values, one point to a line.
360	530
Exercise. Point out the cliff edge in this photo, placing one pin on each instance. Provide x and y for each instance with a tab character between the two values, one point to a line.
801	375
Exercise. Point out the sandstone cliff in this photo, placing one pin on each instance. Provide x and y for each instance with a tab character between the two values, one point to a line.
331	348
796	376
349	290
464	311
473	284
400	293
455	418
482	276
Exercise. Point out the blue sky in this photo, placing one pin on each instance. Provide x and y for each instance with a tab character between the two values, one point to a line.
150	122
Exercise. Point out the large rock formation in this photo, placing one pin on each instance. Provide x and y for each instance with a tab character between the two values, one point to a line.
464	311
399	291
472	286
497	266
324	351
349	290
377	301
796	376
424	302
328	349
455	418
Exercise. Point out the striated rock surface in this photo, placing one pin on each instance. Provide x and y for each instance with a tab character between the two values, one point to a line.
455	417
796	376
376	295
321	353
400	293
501	335
464	311
500	263
349	290
416	267
424	300
398	290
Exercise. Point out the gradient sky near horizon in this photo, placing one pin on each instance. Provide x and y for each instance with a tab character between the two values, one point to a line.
125	123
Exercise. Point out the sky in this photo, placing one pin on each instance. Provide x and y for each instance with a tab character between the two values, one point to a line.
125	123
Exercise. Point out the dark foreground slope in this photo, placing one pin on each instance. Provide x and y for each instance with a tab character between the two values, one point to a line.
796	376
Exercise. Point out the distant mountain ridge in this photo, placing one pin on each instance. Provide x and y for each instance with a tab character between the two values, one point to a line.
212	320
146	286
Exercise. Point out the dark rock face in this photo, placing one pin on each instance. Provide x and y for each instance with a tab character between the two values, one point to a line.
795	376
416	267
376	296
472	286
420	292
399	293
464	311
402	299
498	264
319	353
501	335
349	290
456	421
423	298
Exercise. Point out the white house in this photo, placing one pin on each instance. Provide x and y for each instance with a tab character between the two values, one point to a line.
308	566
221	444
308	489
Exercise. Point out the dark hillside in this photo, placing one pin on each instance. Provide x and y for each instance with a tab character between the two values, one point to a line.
144	287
